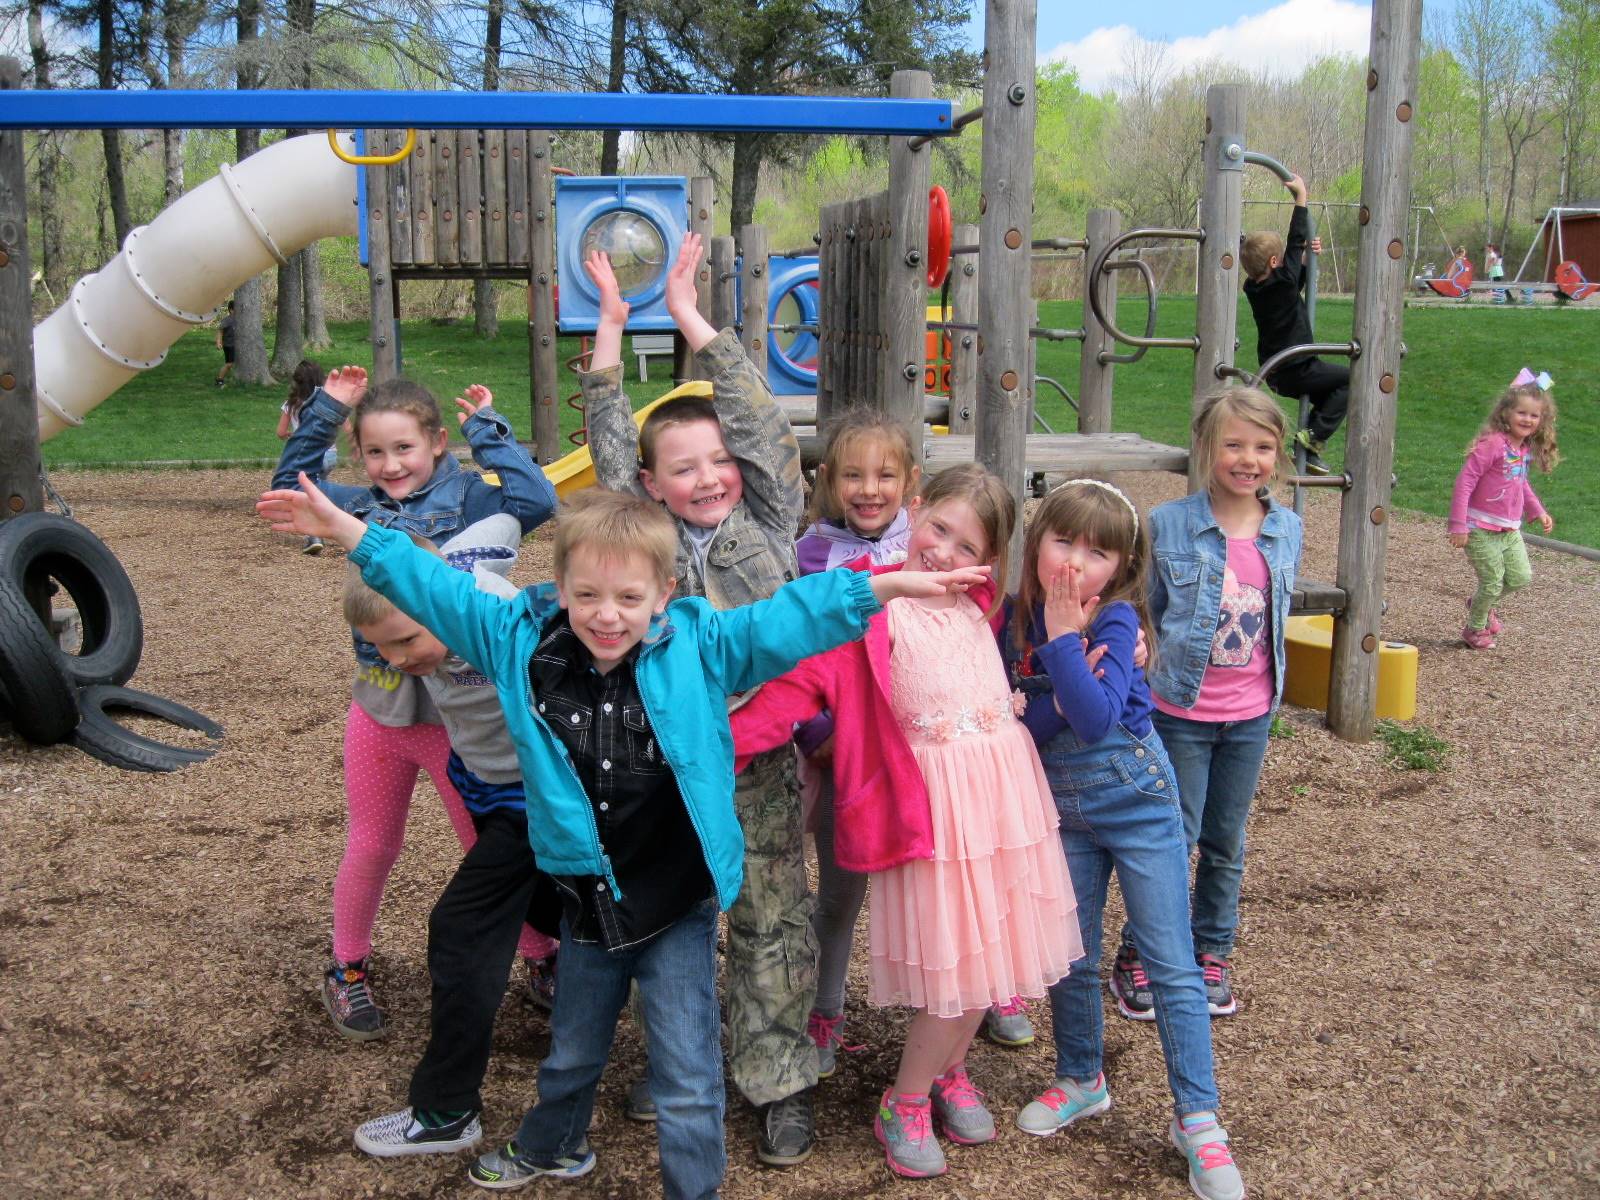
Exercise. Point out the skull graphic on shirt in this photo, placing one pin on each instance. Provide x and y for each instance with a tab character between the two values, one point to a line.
1239	624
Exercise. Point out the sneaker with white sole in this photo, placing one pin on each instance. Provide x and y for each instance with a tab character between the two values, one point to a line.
1062	1103
1217	973
347	995
905	1128
1130	986
824	1031
500	1170
1008	1024
1204	1146
403	1133
959	1110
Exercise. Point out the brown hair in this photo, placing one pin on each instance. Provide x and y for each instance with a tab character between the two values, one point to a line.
860	426
980	489
1542	443
680	410
615	525
363	604
398	396
1257	250
307	378
1247	404
1110	523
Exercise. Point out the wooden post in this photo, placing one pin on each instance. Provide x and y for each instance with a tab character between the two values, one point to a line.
757	282
19	421
724	309
1094	376
701	195
380	270
469	182
542	308
903	309
828	266
420	168
963	342
1009	108
446	200
1216	313
1375	376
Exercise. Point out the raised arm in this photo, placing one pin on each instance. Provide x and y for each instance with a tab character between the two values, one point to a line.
321	418
524	492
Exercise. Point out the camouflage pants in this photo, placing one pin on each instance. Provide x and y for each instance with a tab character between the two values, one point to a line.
772	952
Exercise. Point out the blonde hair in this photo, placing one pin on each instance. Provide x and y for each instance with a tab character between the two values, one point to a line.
859	426
1251	405
1110	523
1542	442
362	604
981	490
680	410
615	525
1257	250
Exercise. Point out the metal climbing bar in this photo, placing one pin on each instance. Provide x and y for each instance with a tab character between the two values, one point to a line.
313	109
1102	267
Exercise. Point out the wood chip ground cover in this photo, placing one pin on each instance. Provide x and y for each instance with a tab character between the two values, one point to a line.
1419	967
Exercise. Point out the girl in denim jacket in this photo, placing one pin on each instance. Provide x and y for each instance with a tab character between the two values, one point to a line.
392	730
1225	564
1083	582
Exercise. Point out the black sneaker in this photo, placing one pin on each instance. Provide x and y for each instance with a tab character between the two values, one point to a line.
506	1168
640	1104
348	998
788	1131
405	1132
1218	973
1131	987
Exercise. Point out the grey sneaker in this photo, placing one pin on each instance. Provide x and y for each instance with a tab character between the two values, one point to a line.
500	1170
1007	1024
906	1131
1218	974
312	545
1130	986
824	1031
640	1104
958	1109
1062	1103
402	1133
788	1131
1204	1146
347	996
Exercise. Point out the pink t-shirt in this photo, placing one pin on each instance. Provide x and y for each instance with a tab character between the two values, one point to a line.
1237	685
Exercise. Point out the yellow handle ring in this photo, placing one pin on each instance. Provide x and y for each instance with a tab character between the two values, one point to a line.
373	160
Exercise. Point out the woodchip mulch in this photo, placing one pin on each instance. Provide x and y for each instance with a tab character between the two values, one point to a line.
1419	967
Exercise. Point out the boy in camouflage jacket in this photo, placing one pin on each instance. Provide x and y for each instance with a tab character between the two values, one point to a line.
728	470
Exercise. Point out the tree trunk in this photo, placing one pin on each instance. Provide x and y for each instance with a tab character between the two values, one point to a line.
289	341
111	139
52	238
175	29
316	309
485	311
485	316
748	152
611	141
249	345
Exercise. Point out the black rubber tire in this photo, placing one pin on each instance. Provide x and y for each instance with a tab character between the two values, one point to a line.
33	674
39	546
101	737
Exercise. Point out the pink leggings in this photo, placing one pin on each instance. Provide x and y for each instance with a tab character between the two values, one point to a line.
380	771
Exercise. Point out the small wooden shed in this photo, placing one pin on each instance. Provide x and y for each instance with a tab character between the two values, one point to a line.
1579	240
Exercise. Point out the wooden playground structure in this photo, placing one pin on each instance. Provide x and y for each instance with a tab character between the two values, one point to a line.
472	199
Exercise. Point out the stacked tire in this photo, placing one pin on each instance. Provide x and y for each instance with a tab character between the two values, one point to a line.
51	696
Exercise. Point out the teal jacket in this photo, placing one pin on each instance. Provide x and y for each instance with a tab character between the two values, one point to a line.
693	658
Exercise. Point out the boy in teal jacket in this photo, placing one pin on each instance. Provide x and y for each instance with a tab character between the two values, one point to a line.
616	700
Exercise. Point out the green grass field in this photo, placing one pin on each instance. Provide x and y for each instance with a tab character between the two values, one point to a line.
1458	359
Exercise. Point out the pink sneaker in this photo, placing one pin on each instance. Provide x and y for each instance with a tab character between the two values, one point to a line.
1478	639
1495	625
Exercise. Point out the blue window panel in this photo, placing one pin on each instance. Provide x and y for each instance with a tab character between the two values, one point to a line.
660	207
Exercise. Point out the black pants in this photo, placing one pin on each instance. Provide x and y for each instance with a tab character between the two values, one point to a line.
472	942
1328	387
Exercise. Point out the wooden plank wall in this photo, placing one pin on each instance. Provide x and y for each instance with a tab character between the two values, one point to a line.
853	260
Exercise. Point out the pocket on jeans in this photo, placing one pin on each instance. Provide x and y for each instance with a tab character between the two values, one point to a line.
1149	773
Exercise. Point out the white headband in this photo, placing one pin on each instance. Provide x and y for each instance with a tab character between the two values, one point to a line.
1115	491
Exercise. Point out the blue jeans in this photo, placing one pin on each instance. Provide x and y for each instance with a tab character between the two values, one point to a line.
1218	766
1119	809
676	971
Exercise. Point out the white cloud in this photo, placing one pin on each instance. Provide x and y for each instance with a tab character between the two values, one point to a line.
1280	41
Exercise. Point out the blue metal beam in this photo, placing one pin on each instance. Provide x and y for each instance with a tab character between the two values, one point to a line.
469	110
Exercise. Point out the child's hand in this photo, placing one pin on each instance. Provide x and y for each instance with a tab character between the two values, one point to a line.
310	512
477	398
1065	611
1458	540
1316	245
613	308
680	293
1297	189
346	384
893	585
1547	522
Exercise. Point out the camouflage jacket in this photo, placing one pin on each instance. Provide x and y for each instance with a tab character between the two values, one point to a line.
752	554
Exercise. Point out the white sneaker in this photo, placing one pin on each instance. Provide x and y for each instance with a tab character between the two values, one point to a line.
1204	1146
400	1133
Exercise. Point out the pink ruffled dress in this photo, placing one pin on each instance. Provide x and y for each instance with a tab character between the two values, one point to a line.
992	914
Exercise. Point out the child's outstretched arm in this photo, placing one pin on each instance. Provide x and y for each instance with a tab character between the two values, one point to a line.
614	309
322	416
524	492
768	718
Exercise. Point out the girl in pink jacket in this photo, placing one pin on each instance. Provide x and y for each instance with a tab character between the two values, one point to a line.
1491	495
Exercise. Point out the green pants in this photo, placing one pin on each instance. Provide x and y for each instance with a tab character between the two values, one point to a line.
1500	558
772	952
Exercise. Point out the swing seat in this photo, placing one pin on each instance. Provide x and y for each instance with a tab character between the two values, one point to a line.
1456	283
1571	283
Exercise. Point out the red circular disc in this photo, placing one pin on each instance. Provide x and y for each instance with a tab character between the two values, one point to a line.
940	232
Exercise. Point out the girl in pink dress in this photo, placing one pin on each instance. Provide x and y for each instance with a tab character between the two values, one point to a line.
940	796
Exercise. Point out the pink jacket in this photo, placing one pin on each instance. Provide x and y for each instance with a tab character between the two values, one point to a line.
881	816
1493	491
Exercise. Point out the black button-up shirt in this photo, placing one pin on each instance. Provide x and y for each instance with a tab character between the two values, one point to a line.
645	829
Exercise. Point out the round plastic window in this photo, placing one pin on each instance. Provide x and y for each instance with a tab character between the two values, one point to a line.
799	346
638	255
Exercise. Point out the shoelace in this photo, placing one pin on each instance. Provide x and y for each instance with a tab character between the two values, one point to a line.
916	1120
1213	1155
958	1089
1013	1007
357	995
784	1115
1212	969
824	1031
1056	1099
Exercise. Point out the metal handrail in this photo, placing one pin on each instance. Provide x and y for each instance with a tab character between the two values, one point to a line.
1093	289
956	126
1130	264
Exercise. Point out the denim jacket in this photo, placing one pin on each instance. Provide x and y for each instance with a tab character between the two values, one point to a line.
752	554
452	498
1191	553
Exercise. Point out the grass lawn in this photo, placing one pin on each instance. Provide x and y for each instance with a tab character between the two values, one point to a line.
1458	360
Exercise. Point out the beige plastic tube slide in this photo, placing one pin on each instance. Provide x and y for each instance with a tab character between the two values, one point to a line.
173	273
